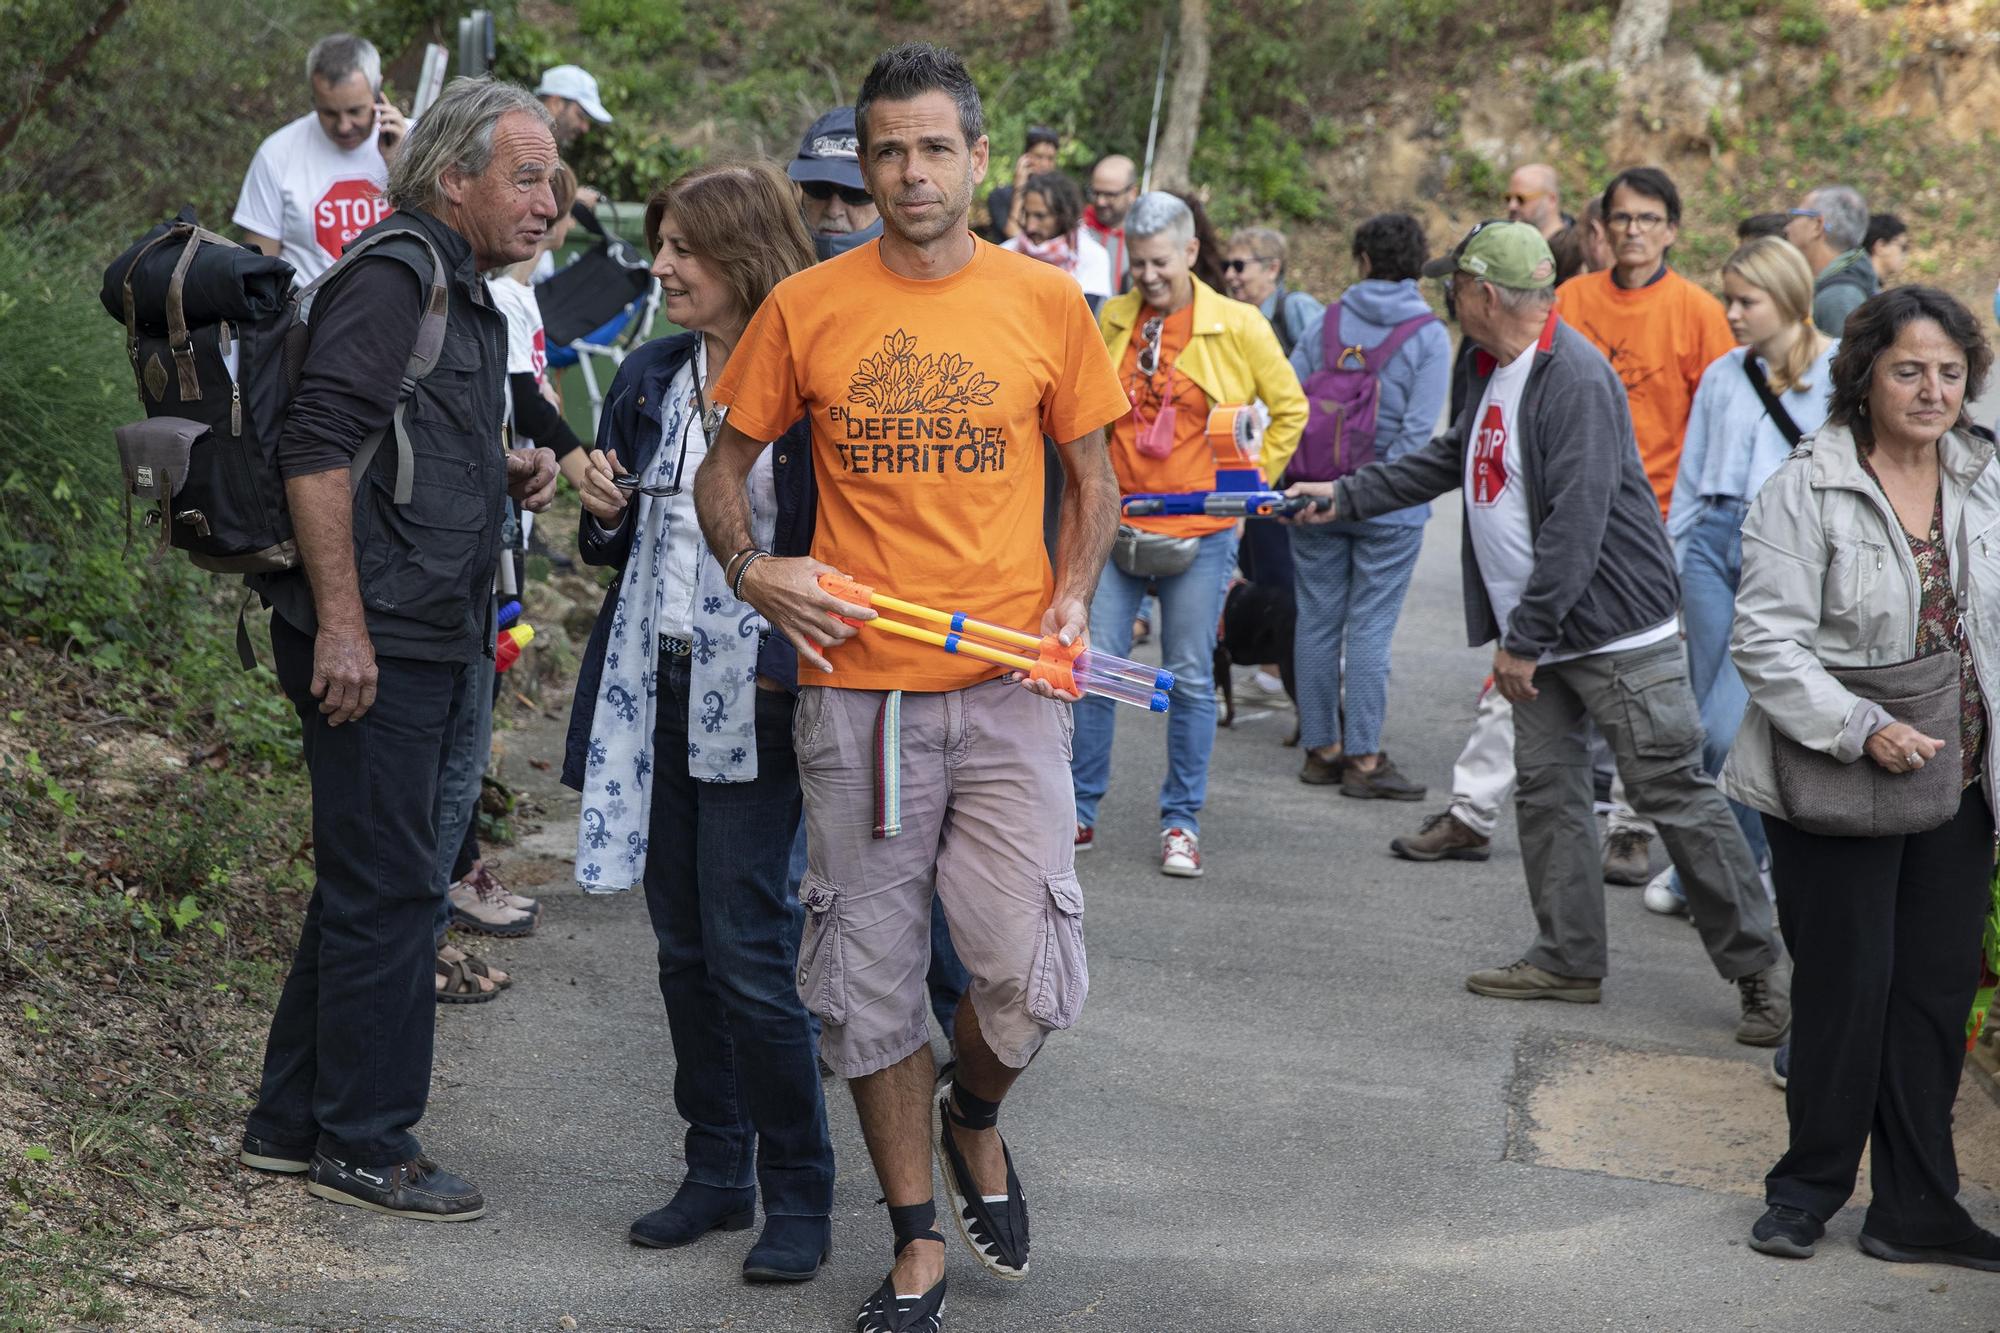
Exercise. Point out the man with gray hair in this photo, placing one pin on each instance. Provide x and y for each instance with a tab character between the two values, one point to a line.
1566	564
317	183
383	631
1828	227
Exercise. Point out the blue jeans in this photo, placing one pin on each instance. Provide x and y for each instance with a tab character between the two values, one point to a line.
1350	593
1711	568
1190	602
469	742
745	1078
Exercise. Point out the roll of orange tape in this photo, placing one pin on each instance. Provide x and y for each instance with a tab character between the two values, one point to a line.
1236	432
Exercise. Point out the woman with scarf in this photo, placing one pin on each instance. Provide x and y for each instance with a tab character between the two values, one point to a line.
680	739
1052	231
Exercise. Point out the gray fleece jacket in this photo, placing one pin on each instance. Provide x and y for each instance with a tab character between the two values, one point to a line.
1603	567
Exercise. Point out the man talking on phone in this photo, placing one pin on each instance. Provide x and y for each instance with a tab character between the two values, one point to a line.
317	183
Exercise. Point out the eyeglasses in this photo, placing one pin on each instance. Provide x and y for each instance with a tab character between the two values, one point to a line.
710	420
1633	222
1529	198
825	190
1238	265
1149	355
1111	196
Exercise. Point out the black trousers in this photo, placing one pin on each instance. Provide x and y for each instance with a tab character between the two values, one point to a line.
347	1065
1885	941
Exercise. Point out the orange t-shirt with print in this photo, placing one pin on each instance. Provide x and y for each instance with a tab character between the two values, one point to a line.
928	402
1191	465
1659	338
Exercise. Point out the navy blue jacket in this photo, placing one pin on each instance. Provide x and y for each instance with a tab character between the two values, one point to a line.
631	424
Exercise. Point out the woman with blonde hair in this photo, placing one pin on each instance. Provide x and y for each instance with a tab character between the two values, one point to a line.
1753	405
680	739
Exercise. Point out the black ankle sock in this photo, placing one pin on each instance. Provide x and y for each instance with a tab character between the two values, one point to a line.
970	1112
914	1221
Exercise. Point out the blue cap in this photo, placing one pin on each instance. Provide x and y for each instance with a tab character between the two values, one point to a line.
831	151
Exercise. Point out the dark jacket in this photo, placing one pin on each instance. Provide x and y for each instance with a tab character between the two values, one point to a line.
426	568
1603	568
631	424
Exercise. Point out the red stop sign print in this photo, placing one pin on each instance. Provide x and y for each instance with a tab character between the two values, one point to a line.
1489	458
348	208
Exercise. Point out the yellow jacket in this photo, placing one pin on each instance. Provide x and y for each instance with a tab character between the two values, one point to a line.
1234	356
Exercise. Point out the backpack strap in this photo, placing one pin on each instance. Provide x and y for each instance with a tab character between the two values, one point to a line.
1772	404
132	308
1377	357
423	358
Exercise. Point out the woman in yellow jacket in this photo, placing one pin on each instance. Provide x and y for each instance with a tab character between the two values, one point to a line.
1182	349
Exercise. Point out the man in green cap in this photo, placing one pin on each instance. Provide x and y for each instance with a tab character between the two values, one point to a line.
1566	564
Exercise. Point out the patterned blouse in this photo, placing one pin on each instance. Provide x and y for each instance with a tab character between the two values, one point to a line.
1937	632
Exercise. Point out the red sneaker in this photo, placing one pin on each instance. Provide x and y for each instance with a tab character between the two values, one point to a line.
1180	853
1086	837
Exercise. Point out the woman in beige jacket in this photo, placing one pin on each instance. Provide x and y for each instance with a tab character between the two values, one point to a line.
1852	554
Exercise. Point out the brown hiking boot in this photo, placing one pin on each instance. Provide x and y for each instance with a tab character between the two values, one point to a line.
1767	1007
1320	772
1628	858
1443	837
1525	981
1384	782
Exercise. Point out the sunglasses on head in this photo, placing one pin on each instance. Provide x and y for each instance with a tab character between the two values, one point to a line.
825	190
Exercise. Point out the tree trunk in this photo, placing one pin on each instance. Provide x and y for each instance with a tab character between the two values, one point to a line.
1170	168
1059	23
1638	33
60	72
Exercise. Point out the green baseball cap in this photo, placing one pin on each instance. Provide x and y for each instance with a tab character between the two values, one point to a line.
1506	254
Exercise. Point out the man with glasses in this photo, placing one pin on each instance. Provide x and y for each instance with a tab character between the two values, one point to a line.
1254	273
838	209
1533	198
1828	228
1566	565
1659	332
1114	187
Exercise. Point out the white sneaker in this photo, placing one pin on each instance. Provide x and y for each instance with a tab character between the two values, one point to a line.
1272	686
1180	853
1660	895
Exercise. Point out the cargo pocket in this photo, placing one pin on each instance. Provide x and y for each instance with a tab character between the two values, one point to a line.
1659	708
1062	974
822	979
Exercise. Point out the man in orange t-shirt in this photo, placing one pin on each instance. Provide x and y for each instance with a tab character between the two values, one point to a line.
1658	330
931	365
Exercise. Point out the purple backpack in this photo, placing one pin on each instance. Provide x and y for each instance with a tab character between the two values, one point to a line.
1342	397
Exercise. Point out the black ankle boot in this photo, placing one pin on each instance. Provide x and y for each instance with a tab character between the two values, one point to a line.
790	1250
694	1211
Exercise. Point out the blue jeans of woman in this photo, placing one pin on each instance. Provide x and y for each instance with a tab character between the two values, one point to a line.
1350	588
745	1078
1190	603
1711	568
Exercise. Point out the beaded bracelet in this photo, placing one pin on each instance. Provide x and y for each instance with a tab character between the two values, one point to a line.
728	566
736	588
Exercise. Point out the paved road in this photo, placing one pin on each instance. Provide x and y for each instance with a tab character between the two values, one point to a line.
1281	1111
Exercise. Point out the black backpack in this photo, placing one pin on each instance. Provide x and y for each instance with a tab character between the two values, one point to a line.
217	343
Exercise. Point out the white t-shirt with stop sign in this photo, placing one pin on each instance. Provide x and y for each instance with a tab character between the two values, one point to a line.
312	195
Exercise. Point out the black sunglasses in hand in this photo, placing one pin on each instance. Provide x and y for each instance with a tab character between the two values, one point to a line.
825	190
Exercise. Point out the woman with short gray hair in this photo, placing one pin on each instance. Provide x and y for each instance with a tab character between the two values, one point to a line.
1183	350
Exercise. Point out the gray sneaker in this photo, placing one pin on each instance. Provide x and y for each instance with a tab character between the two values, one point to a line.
1767	1007
1628	858
1525	981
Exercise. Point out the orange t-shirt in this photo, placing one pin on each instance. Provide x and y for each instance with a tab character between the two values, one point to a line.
928	401
1191	465
1659	339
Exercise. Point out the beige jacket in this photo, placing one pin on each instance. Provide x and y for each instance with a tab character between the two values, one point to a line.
1828	581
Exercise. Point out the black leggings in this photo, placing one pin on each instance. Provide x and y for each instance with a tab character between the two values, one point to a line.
1885	941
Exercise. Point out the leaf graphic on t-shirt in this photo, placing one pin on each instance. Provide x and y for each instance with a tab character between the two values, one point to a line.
896	382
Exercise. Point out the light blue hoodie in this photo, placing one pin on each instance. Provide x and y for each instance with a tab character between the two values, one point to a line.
1415	383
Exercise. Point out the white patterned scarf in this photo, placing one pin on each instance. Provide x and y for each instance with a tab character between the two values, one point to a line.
722	688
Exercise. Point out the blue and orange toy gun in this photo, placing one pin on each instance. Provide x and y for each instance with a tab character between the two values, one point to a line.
1235	435
1070	668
